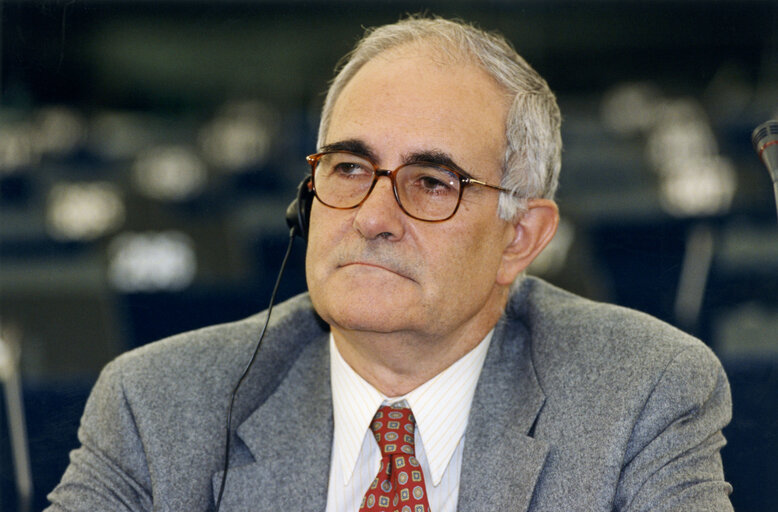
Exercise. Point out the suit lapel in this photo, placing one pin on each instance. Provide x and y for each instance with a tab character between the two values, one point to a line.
290	439
501	462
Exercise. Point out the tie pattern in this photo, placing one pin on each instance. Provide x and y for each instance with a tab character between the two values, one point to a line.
399	485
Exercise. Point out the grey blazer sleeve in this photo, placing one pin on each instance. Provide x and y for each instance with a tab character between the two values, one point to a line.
108	471
672	460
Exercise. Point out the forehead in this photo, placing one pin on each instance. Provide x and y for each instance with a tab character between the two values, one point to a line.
411	99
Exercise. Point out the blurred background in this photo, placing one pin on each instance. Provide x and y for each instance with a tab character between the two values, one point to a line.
148	151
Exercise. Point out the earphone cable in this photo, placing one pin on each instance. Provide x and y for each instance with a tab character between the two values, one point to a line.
246	371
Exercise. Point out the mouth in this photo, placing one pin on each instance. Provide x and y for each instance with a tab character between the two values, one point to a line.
369	265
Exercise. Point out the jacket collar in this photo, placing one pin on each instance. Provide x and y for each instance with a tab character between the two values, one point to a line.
502	462
289	438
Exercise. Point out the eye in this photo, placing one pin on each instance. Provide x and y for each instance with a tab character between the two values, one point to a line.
346	168
434	181
345	165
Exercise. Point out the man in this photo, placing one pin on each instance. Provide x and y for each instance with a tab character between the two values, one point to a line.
438	158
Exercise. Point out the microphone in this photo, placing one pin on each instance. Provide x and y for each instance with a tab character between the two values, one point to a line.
765	140
17	427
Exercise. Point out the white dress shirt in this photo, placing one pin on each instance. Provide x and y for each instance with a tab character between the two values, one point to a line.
441	407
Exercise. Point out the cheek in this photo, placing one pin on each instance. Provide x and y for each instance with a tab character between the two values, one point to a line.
321	237
467	259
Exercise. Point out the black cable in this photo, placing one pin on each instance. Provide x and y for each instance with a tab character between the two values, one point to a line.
246	371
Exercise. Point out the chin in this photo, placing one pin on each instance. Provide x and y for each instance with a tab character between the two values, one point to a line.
365	308
361	319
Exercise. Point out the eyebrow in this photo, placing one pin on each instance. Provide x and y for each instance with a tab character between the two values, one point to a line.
429	156
353	146
435	157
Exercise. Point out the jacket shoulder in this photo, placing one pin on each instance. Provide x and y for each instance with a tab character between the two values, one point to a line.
571	335
210	359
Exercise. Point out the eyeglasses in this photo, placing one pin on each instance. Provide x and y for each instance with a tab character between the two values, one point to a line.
425	191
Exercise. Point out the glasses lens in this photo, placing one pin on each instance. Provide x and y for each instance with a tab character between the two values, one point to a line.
342	180
428	192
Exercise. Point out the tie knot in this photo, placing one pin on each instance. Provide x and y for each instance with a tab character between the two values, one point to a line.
393	428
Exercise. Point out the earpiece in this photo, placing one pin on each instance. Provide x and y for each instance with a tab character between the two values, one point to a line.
299	211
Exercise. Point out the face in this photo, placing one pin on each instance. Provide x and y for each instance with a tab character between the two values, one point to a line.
375	269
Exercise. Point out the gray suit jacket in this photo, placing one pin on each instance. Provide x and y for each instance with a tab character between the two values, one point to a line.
580	406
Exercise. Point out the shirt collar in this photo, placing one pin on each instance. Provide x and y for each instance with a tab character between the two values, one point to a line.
441	407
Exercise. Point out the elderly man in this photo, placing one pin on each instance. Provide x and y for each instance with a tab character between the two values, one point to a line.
422	371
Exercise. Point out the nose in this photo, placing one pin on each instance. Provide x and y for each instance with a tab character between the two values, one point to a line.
380	215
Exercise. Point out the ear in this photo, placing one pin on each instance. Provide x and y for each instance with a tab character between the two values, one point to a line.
531	233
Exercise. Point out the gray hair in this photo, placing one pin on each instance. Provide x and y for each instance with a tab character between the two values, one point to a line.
532	134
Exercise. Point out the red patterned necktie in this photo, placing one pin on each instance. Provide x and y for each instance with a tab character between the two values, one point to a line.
399	485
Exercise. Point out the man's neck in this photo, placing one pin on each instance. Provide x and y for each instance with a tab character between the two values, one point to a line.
397	363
